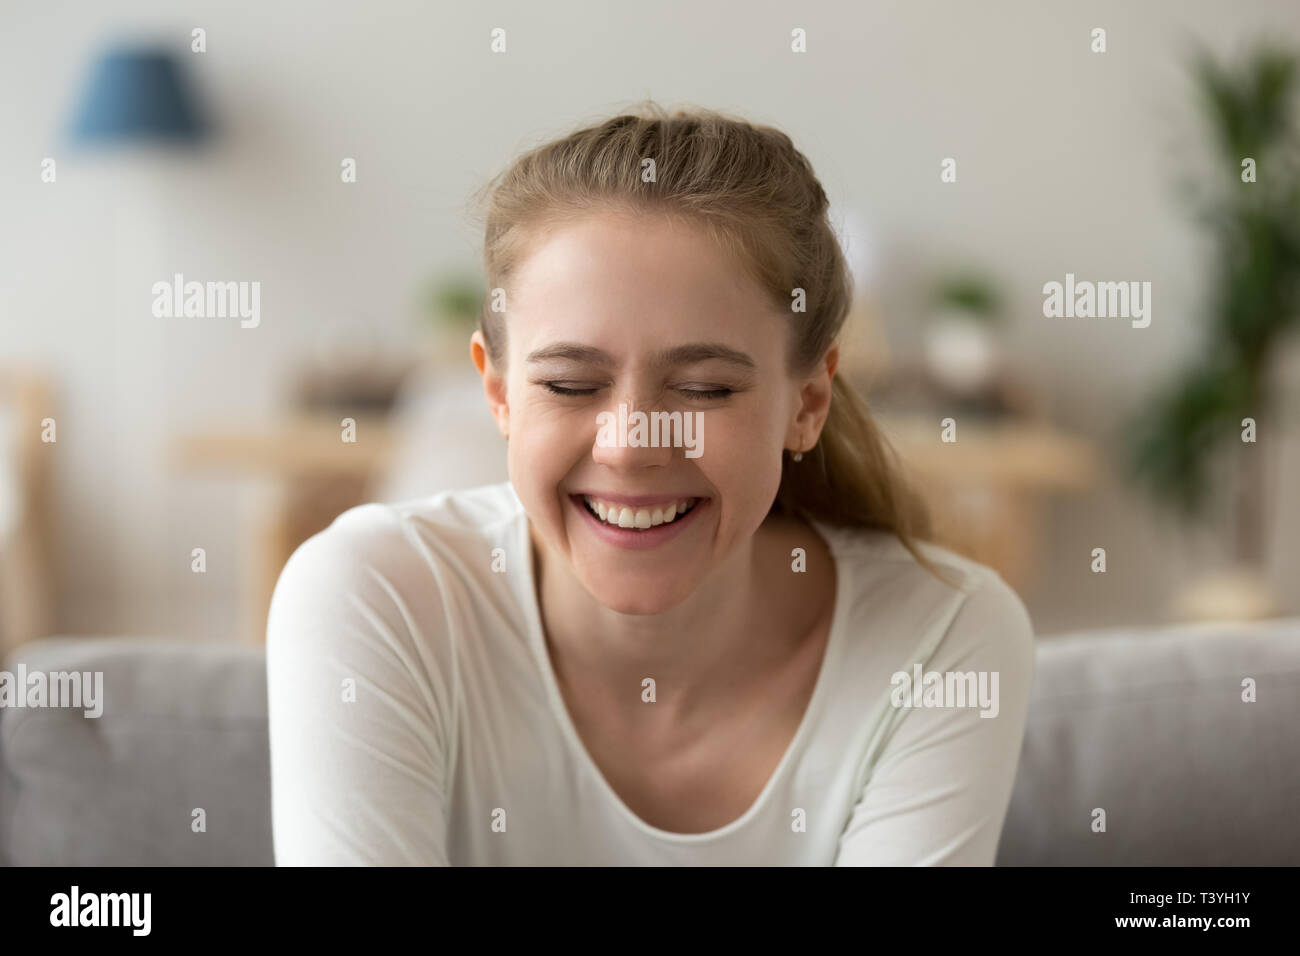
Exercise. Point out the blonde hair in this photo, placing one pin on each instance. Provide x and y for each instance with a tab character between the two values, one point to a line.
756	195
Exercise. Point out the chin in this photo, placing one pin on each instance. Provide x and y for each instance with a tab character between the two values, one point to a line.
635	598
636	607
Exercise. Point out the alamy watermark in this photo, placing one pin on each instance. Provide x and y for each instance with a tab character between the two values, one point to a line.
1100	300
212	300
129	910
946	689
655	430
76	689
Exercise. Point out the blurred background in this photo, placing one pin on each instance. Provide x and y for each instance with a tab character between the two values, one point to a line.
156	472
1135	485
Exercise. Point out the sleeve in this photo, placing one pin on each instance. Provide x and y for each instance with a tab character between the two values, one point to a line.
358	768
939	791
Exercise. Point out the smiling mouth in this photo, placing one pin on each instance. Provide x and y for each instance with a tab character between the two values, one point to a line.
638	519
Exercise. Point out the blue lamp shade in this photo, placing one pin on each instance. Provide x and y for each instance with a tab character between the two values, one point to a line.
137	95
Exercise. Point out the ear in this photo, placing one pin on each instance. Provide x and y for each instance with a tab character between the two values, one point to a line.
494	382
814	403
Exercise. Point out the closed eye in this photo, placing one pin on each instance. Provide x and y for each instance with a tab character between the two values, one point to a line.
701	394
558	390
707	394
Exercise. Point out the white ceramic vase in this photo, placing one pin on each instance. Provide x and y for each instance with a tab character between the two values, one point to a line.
960	351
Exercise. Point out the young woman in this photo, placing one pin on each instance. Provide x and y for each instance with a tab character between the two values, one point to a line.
633	652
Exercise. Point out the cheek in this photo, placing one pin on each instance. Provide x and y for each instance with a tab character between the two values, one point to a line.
742	462
535	461
540	455
547	441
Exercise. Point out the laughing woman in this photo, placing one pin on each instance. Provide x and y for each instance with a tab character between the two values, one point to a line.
628	654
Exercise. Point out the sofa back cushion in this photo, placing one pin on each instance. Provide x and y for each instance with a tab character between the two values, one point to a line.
183	729
1146	724
1149	725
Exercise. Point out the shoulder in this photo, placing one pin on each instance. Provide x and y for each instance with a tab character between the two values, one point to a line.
972	609
398	557
480	510
383	535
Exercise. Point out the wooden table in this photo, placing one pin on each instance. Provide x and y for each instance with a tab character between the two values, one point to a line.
987	489
27	549
317	477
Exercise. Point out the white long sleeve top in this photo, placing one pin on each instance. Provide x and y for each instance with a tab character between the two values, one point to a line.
415	717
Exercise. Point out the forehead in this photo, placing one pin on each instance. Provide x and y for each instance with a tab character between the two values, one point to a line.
634	274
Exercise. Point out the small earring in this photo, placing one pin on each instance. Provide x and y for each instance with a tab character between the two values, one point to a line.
797	456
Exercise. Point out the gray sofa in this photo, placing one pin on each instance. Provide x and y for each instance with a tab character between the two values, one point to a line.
1148	725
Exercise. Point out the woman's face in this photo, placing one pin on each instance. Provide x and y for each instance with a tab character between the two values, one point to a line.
647	312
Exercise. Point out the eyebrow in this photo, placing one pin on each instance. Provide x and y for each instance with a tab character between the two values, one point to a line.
677	355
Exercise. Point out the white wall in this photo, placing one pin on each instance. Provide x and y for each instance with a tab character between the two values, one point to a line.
1066	162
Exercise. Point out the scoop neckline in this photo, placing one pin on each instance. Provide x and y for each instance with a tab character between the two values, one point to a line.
578	749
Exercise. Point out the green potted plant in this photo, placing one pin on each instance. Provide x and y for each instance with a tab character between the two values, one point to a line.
451	307
1195	424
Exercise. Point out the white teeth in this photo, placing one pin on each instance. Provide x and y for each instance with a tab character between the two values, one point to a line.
639	518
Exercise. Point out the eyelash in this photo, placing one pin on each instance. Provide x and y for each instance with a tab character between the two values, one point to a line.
708	395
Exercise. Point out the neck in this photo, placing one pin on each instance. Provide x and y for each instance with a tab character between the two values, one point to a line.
695	651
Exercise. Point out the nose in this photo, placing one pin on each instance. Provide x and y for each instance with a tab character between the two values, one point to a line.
626	438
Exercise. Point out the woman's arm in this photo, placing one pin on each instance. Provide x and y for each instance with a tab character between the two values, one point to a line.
357	733
939	792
